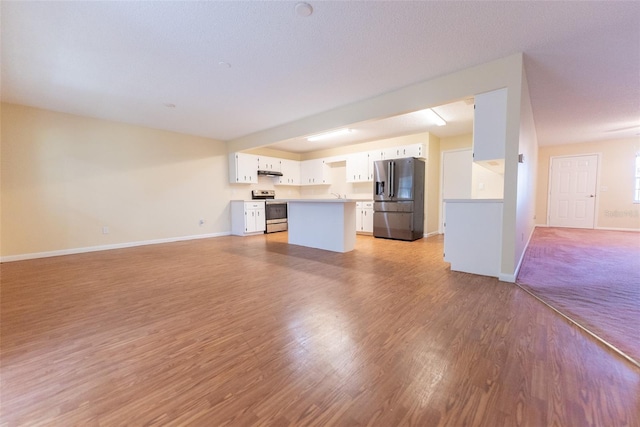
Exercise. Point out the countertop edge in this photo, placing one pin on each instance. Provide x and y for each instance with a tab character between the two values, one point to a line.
473	200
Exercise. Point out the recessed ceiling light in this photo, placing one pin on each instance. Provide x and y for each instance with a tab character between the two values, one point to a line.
331	134
223	64
304	9
170	105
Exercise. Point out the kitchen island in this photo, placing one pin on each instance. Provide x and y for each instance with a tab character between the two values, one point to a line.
328	224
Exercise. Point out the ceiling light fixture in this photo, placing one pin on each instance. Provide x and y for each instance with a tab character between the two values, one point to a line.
331	134
434	117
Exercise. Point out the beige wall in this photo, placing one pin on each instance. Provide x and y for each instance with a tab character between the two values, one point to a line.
614	199
65	177
456	142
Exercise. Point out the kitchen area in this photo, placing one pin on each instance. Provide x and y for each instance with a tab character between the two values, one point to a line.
336	197
339	191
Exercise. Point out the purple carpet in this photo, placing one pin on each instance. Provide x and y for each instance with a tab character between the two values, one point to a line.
592	277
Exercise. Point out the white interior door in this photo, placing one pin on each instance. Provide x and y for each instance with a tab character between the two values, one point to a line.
456	177
572	191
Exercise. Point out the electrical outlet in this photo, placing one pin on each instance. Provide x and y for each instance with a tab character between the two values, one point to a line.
105	230
201	222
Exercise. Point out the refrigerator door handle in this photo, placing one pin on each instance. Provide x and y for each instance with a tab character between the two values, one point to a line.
389	178
392	179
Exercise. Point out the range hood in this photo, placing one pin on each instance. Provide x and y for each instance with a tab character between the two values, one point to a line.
269	173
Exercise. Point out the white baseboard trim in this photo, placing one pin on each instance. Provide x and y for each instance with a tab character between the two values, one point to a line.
433	233
601	228
637	230
86	249
511	278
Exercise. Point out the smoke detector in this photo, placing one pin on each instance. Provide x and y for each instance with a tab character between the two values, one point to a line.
304	9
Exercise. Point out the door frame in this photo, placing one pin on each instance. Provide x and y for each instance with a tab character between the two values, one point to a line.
442	153
549	185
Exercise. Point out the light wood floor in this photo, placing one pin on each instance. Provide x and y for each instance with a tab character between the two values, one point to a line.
252	331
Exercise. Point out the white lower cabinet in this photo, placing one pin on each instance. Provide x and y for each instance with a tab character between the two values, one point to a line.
364	217
247	217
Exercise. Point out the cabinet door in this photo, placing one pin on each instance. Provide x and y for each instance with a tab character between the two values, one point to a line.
367	219
269	163
314	172
372	157
254	217
490	125
290	172
249	220
357	167
401	151
391	153
306	172
358	216
243	168
415	150
260	224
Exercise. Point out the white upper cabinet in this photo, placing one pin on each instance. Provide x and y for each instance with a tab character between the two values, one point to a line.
243	168
269	163
489	125
412	150
358	167
290	172
315	172
373	156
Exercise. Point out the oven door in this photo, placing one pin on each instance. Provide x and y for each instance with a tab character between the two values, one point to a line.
276	216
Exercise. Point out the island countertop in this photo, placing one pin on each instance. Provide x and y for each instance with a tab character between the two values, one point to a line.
317	200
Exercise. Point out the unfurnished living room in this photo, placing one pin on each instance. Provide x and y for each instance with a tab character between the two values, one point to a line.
320	213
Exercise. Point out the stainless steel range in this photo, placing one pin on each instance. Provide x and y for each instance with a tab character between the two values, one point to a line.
275	211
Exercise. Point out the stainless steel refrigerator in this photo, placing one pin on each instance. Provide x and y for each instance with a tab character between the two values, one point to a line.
398	194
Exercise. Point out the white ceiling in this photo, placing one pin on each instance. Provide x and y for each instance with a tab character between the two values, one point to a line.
125	61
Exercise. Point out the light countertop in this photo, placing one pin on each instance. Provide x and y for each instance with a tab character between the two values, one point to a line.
335	200
473	200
